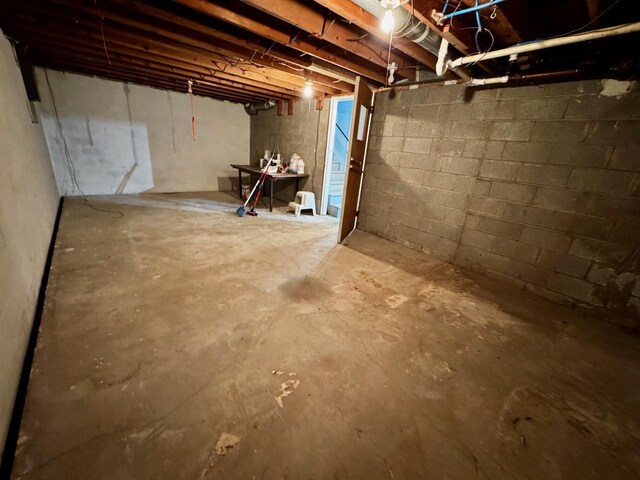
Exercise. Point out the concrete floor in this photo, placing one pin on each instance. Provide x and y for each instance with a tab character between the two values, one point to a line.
180	322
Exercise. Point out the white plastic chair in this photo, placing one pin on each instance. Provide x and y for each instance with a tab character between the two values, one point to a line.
304	201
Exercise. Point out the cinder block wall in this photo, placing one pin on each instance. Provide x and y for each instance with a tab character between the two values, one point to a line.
304	133
538	185
125	138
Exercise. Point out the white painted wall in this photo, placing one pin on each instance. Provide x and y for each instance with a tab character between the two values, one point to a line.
125	138
28	204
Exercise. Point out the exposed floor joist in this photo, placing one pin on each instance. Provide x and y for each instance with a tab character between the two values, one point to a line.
270	48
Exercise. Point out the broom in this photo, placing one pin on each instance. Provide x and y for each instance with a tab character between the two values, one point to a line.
243	209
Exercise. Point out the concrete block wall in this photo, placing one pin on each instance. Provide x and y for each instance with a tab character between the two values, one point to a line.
305	133
126	138
538	185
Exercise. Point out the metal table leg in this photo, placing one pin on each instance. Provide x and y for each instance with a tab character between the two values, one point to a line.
297	187
240	184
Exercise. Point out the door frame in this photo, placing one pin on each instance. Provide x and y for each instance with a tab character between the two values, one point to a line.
363	101
331	135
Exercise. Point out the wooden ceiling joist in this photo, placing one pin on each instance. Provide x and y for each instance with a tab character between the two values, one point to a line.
311	24
132	40
149	71
223	43
273	74
363	19
116	73
253	50
225	73
184	30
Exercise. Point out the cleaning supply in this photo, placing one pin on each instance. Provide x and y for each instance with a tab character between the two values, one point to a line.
294	163
263	175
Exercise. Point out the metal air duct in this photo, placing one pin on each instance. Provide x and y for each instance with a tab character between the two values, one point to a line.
254	108
406	25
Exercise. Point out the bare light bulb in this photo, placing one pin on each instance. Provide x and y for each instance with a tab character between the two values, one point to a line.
387	21
308	89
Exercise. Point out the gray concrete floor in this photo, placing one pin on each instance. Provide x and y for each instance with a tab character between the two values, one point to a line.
180	322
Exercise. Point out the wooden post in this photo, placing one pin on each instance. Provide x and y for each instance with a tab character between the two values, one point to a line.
320	102
290	104
280	108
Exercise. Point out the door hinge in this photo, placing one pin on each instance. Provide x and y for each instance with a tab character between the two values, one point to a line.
357	213
371	109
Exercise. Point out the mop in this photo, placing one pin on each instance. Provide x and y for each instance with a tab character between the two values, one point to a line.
243	209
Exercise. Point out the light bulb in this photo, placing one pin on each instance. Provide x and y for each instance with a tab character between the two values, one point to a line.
308	89
387	21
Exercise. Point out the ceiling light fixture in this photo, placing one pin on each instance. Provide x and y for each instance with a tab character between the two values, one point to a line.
387	20
308	88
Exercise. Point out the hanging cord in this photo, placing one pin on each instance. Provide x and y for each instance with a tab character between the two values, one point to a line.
104	43
193	114
70	166
480	30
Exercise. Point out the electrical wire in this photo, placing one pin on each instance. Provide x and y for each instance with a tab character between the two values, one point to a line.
104	42
589	23
477	44
70	166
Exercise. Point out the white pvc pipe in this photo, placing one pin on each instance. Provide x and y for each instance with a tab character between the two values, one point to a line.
552	42
474	82
442	53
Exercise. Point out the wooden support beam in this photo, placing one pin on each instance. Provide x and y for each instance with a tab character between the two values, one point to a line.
150	71
593	7
461	37
205	38
303	16
501	27
257	28
125	55
44	16
135	79
280	108
363	19
290	106
80	53
268	77
422	11
320	102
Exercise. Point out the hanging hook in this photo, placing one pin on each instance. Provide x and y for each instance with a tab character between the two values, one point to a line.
494	14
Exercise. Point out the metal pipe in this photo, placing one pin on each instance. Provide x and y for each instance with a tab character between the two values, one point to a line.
531	77
410	27
254	108
471	9
548	43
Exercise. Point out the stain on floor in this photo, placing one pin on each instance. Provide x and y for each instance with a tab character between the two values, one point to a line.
180	332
